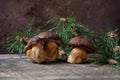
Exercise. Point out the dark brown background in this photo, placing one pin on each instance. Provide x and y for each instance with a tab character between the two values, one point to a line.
99	15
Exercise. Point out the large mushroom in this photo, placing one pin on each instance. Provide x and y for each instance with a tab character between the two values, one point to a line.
34	49
81	47
36	53
51	46
49	42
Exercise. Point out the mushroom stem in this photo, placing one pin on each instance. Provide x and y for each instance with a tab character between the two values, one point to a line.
39	54
36	54
77	55
51	49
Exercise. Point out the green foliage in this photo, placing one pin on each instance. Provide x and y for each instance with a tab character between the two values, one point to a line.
104	42
63	29
14	43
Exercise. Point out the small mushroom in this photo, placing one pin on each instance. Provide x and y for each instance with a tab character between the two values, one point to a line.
81	47
30	42
36	53
34	49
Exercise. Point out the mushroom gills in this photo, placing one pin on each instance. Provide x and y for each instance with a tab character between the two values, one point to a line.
77	55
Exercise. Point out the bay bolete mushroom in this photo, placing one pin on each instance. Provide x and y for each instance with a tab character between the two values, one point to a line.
50	42
34	49
81	47
36	53
51	46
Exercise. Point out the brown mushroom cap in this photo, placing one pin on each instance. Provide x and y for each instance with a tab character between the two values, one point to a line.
82	43
42	38
32	41
50	36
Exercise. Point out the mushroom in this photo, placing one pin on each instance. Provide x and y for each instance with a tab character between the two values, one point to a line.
36	53
81	47
30	42
34	49
51	46
48	50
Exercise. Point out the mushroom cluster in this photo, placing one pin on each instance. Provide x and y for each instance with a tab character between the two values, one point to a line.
81	47
43	47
